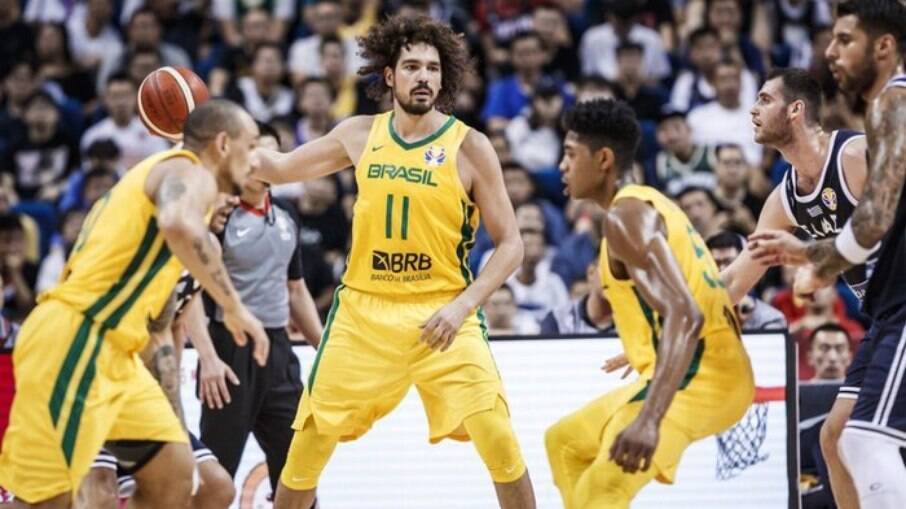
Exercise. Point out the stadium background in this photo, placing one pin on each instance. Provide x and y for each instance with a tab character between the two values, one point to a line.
689	68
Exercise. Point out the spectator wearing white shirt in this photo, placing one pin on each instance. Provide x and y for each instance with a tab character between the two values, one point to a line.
226	12
92	38
326	18
535	135
504	318
262	94
726	119
122	125
537	289
598	49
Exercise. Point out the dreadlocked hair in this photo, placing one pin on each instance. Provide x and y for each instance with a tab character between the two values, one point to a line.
382	46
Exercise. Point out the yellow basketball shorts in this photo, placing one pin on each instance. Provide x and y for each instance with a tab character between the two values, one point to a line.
370	355
74	391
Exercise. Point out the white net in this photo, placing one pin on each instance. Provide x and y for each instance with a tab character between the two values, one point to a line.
740	447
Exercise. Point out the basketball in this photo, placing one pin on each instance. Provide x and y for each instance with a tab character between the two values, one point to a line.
166	97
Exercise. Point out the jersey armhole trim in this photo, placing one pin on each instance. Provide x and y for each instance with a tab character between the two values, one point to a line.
844	185
785	199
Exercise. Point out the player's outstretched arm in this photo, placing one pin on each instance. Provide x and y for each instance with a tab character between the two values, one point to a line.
636	237
336	150
743	274
478	159
181	219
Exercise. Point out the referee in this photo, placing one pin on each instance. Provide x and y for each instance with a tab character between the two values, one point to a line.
262	254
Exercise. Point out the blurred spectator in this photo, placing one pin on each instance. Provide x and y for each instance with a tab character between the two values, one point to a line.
280	14
537	290
589	314
732	189
20	83
99	161
18	273
562	60
680	157
236	60
726	120
794	21
92	35
535	134
508	96
647	101
123	126
521	188
262	94
325	17
501	147
143	31
346	93
324	230
599	44
61	246
658	16
581	247
504	318
754	313
56	64
499	21
725	17
314	98
829	352
15	36
37	165
703	210
695	86
140	63
595	87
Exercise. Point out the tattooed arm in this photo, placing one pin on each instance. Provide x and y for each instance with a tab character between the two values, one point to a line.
183	193
160	355
887	171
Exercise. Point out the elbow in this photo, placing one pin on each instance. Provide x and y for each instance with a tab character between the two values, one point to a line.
518	249
694	318
172	224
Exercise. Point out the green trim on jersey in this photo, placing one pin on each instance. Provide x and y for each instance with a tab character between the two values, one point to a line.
422	142
325	336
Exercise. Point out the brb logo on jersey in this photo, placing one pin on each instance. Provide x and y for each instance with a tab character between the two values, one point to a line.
829	198
435	155
389	266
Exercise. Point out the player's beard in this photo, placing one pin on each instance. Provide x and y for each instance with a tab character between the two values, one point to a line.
411	107
856	84
777	136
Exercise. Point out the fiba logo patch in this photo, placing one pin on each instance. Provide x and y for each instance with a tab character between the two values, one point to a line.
435	155
829	198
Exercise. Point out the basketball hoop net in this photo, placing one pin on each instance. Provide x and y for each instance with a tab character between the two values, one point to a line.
740	447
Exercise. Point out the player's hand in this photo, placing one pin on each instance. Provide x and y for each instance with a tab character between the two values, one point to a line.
222	210
212	382
616	362
806	283
241	322
439	331
634	447
777	247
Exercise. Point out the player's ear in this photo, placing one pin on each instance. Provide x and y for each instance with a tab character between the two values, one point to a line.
222	142
885	45
797	108
604	157
388	77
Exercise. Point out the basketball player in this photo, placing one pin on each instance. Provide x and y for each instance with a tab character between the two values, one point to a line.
866	59
80	382
674	319
818	194
407	309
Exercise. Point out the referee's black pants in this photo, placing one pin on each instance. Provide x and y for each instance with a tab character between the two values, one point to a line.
264	403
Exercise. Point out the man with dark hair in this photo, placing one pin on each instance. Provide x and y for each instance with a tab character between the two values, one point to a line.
647	100
829	352
674	318
325	17
17	273
263	94
597	50
90	388
866	59
754	313
422	177
680	160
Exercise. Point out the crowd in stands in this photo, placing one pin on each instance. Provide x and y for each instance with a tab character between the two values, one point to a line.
690	69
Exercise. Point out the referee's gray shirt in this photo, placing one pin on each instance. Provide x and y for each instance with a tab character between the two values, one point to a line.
261	251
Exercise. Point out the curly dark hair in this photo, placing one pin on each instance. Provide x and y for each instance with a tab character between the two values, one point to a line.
382	46
606	123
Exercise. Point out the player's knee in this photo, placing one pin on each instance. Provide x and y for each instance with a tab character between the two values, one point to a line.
217	490
308	454
496	444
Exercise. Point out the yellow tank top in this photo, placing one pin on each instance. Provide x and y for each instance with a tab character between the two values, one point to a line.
120	272
638	325
413	223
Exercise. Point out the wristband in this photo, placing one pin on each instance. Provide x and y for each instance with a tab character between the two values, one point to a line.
849	247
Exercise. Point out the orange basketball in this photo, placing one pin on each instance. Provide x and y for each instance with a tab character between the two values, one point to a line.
166	97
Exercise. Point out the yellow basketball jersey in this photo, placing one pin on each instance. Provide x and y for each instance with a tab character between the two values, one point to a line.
638	325
413	223
120	272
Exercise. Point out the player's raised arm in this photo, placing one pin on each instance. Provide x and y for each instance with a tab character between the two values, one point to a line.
744	272
637	238
181	219
336	150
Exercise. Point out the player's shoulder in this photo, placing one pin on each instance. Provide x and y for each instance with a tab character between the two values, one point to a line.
355	124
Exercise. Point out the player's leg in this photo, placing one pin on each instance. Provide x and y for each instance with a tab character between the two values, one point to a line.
574	441
99	488
870	444
216	489
166	480
841	483
307	457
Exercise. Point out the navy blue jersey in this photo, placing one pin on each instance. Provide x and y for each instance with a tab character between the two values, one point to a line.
823	212
887	288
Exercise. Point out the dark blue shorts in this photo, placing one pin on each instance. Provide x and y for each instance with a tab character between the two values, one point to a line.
856	371
881	405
